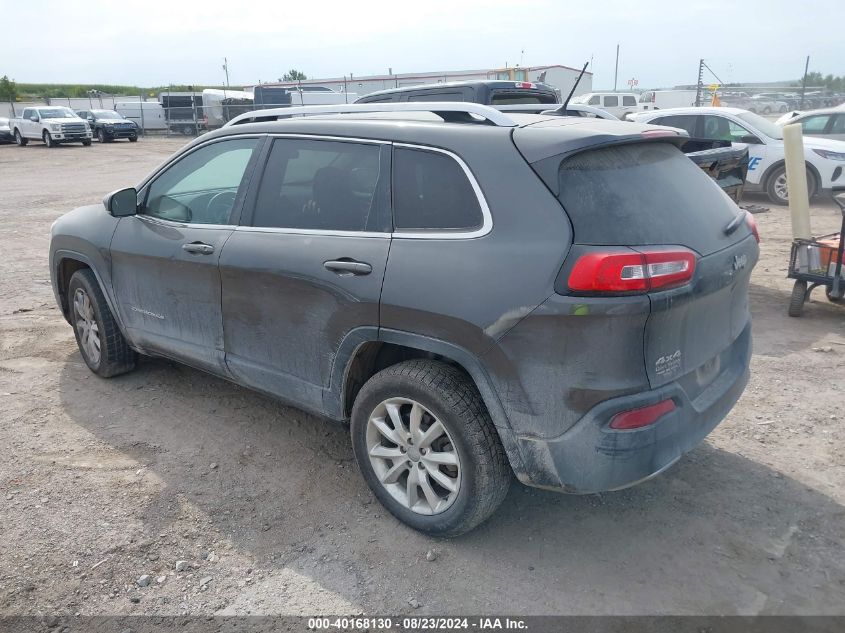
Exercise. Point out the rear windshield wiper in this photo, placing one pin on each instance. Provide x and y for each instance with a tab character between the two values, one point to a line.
734	224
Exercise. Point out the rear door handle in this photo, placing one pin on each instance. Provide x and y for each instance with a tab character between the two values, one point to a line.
348	267
199	248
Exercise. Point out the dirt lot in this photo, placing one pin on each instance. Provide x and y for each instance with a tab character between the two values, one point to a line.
103	481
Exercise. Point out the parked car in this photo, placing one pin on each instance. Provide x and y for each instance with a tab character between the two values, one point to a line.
5	131
109	125
52	124
827	123
662	99
617	103
762	104
147	115
725	164
764	141
363	268
489	92
791	100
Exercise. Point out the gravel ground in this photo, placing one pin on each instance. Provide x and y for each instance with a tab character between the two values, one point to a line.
168	491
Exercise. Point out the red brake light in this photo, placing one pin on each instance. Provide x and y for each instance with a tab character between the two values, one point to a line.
523	84
638	418
632	271
752	224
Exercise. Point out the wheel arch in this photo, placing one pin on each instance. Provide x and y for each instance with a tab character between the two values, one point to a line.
764	181
366	351
65	264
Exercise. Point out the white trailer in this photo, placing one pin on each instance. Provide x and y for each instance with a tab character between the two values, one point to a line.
147	115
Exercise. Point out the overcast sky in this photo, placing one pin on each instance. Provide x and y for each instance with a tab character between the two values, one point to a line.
155	43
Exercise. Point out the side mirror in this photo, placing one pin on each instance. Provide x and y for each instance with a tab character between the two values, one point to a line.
750	140
122	203
34	119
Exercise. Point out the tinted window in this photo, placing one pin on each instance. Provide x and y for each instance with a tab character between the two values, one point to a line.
431	191
685	122
201	188
629	101
815	124
721	129
594	100
610	102
838	125
321	185
508	98
645	193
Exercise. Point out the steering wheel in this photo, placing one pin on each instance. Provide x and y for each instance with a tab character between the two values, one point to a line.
220	206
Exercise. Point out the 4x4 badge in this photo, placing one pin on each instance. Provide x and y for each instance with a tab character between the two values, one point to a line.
740	262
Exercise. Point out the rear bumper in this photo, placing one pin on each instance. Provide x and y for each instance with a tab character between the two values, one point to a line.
591	457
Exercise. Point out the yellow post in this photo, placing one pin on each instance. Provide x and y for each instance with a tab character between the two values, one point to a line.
796	179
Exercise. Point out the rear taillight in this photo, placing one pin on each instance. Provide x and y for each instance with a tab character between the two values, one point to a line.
752	224
632	271
523	84
638	418
658	133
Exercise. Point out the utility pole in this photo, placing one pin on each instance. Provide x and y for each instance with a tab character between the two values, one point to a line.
700	83
804	83
616	72
226	70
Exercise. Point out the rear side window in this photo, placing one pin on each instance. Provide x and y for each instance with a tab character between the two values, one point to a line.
432	192
685	122
322	186
644	193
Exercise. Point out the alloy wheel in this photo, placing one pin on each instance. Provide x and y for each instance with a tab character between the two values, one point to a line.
413	456
86	325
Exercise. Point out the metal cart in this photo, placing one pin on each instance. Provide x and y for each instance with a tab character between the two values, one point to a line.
817	262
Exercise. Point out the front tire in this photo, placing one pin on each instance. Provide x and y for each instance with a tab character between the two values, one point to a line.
427	448
101	136
86	142
133	139
777	186
100	340
796	301
20	140
48	139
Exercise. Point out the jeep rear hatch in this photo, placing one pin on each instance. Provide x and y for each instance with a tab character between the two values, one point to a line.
646	220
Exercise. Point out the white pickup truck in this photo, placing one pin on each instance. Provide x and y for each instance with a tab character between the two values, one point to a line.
52	124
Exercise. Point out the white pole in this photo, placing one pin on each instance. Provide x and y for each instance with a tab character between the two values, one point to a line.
796	178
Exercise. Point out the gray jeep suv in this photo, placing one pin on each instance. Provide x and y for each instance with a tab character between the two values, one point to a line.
479	293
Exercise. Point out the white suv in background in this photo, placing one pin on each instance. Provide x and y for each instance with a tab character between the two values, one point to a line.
764	140
617	103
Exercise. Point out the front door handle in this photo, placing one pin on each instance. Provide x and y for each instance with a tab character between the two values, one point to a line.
348	266
199	248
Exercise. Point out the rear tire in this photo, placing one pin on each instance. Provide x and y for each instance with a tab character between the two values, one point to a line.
100	340
440	393
20	140
799	296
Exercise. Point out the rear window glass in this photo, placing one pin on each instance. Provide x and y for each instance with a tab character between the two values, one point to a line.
523	96
431	191
644	193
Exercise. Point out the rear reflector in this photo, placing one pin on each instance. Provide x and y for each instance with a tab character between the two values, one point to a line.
638	418
752	224
631	271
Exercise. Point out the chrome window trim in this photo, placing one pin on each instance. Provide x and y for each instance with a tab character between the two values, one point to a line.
321	232
327	137
447	234
182	225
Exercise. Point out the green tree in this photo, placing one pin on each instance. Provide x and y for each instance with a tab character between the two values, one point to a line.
8	89
294	75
